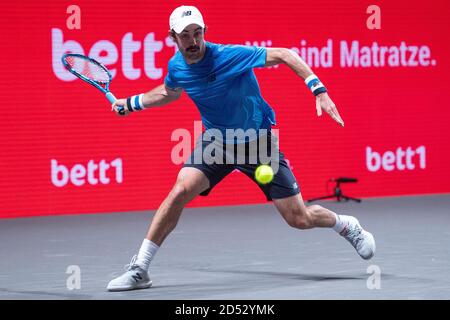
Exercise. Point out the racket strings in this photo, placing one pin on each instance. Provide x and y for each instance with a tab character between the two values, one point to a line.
88	69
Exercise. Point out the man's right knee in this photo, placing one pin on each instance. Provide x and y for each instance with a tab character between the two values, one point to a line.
180	192
190	183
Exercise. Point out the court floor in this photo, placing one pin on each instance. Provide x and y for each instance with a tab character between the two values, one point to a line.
238	252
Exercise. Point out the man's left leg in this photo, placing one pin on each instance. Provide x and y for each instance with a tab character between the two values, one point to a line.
284	191
299	216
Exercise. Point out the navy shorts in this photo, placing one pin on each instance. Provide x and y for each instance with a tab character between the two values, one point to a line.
245	157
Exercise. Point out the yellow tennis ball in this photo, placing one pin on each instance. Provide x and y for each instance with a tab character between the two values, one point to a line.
264	174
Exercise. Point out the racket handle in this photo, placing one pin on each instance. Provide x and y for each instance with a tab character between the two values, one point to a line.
113	99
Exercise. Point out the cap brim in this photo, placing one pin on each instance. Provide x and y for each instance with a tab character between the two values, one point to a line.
183	24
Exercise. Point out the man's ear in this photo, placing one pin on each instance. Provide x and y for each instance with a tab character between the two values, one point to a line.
172	35
204	30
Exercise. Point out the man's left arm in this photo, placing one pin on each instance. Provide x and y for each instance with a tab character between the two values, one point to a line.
295	62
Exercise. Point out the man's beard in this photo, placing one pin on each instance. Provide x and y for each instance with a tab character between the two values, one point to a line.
193	52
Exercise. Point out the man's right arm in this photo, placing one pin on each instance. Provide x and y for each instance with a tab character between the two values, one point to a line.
158	96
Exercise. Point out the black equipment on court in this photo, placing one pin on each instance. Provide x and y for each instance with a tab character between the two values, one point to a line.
338	194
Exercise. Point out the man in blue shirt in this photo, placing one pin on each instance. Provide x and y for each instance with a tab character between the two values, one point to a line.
221	82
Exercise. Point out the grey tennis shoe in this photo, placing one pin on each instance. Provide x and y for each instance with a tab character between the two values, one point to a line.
134	278
362	240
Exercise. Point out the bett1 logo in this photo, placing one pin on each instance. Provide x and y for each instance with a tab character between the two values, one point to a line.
93	173
107	53
401	159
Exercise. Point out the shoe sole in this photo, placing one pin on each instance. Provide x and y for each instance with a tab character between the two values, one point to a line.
141	286
372	242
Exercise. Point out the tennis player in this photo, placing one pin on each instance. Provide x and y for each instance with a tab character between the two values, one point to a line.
221	82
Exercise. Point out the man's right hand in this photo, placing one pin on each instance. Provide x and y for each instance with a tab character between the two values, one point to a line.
115	107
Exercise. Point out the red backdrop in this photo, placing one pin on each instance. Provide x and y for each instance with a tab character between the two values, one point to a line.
395	140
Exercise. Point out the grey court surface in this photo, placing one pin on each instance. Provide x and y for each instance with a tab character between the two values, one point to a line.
241	252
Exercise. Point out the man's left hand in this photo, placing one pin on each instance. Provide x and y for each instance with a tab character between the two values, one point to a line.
323	101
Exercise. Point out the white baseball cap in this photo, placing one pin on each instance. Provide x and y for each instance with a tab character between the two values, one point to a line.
183	16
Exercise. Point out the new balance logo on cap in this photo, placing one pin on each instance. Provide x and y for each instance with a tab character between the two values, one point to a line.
186	13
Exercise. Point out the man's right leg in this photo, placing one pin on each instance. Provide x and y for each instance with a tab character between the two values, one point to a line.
190	182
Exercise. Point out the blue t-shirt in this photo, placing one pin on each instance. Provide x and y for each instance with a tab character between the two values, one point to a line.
224	87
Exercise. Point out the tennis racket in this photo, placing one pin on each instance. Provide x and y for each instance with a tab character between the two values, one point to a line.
91	71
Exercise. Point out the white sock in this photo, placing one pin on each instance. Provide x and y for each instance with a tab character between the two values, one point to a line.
146	254
341	222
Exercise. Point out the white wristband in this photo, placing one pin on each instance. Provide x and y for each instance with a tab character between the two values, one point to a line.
315	85
141	101
136	102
